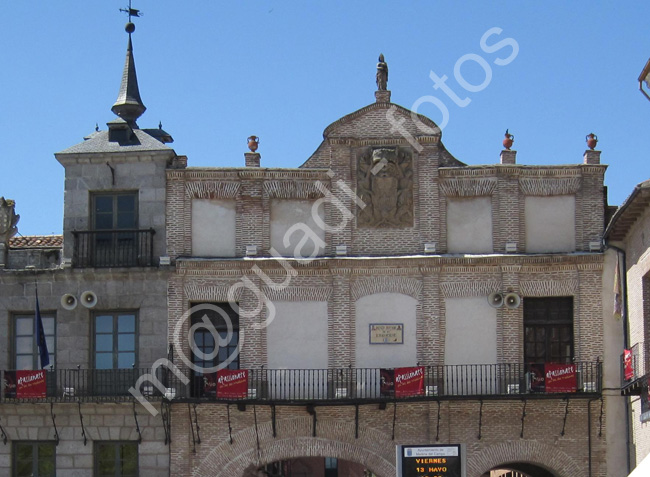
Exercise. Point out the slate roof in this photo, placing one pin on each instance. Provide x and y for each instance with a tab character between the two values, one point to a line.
36	241
98	142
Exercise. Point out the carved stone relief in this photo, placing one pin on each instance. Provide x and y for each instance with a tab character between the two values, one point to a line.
8	220
385	184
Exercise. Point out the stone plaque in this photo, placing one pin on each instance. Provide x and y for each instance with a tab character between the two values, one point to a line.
386	333
385	185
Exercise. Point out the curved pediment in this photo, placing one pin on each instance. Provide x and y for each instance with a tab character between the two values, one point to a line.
384	120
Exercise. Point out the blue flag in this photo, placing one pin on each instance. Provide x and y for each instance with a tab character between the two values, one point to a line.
40	337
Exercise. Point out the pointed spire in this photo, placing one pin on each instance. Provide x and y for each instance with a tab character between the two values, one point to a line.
129	105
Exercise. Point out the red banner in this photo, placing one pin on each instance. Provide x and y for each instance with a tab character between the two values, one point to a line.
628	369
30	384
560	378
409	381
232	384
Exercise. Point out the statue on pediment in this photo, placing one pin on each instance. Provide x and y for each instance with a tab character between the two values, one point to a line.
385	185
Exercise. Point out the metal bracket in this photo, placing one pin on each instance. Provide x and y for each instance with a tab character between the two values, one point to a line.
480	420
523	418
273	420
166	418
83	429
229	424
356	421
4	435
189	410
600	419
56	432
257	433
392	437
566	413
438	424
137	426
196	421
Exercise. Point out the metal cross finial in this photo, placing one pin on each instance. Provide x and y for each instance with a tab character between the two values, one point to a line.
132	12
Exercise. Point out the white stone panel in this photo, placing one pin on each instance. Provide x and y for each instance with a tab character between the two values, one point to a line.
469	225
297	336
294	231
213	228
550	224
385	308
297	339
471	338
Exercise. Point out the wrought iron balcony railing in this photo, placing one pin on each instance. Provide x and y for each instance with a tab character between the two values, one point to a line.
498	381
635	365
113	248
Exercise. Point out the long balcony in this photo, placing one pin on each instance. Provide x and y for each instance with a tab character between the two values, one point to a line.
296	386
635	366
113	248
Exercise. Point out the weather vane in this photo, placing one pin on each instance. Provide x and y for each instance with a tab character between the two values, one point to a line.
132	12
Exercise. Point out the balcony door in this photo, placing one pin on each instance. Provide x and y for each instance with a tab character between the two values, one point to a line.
115	219
548	330
115	352
215	342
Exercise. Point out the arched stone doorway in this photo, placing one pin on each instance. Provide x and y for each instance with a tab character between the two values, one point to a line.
530	458
519	469
335	439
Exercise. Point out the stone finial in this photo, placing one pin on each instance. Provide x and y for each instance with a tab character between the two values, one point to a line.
508	140
253	143
8	220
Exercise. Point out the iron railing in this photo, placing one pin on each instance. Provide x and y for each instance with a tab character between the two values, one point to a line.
635	364
311	385
113	248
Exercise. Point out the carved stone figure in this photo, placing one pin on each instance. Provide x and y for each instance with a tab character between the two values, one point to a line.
385	184
382	74
8	220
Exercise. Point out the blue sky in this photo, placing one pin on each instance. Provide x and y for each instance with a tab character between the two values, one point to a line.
216	72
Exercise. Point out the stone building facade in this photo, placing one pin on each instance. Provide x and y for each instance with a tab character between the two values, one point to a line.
626	233
381	254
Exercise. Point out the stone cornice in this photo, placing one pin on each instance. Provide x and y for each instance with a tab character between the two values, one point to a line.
257	173
397	141
394	266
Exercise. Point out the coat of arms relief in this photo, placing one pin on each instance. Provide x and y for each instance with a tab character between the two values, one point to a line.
385	184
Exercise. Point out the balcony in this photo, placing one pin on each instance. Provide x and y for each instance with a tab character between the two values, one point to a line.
113	248
635	367
296	386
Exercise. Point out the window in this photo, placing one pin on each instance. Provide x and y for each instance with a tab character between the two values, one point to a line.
205	341
548	330
26	350
34	459
115	340
115	211
331	467
116	459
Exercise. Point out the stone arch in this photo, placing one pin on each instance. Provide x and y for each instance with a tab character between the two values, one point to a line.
335	438
537	453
